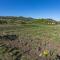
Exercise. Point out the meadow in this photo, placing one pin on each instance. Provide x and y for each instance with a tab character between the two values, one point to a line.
32	40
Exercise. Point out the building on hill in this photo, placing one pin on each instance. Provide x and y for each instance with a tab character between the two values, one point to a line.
51	23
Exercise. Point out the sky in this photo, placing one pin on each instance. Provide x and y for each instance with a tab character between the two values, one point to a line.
31	8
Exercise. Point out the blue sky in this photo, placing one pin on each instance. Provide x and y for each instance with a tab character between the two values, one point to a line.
31	8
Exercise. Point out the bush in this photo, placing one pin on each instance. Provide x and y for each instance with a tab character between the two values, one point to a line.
3	22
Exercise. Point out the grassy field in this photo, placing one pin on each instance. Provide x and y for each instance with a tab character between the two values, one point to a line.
31	38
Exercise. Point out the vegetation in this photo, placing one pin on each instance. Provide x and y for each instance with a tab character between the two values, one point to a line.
24	20
29	39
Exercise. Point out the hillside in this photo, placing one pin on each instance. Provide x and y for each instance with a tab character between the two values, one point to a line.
24	20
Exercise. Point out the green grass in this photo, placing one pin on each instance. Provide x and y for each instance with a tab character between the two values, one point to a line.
40	31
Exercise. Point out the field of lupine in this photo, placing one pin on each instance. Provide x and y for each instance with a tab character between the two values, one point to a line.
29	42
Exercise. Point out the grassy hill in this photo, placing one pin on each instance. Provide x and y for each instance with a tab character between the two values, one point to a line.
25	20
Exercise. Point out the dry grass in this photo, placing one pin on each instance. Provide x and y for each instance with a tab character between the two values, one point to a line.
33	39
